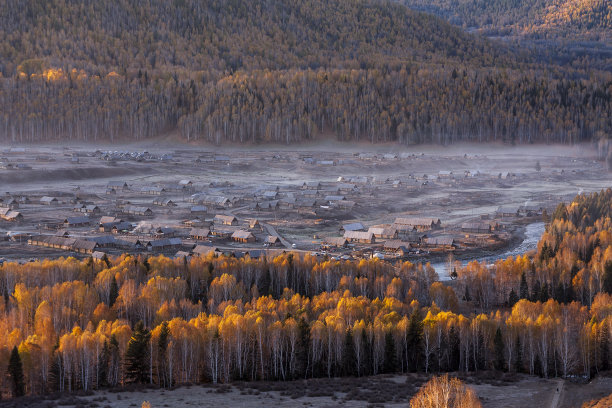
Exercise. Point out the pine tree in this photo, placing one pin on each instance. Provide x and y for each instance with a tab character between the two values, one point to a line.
466	296
544	293
512	298
607	280
113	292
302	348
454	349
518	363
137	355
348	356
524	288
15	373
498	342
414	339
162	355
103	365
535	294
390	363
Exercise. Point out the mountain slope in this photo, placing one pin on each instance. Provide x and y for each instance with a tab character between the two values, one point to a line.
226	35
277	71
575	19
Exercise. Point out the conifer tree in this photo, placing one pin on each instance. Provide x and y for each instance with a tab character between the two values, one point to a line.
137	355
162	355
524	288
518	363
302	348
415	340
15	372
390	363
498	342
113	292
348	356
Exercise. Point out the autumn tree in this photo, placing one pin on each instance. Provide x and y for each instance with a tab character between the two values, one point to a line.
445	392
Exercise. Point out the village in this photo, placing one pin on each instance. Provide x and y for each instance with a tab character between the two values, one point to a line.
342	205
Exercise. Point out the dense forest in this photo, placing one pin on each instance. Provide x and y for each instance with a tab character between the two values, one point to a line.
68	325
279	71
585	19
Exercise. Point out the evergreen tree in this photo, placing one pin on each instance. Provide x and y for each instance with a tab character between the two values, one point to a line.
302	358
162	355
114	360
15	373
524	288
518	363
113	292
466	296
414	339
348	356
106	261
103	365
607	280
390	363
137	355
498	342
535	294
544	293
454	346
512	298
367	355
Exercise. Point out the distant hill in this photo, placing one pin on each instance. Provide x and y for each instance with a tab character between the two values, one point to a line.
552	19
251	71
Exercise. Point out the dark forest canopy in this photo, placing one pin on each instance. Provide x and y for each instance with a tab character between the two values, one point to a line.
278	71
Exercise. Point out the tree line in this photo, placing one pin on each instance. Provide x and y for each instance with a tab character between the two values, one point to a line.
411	104
67	324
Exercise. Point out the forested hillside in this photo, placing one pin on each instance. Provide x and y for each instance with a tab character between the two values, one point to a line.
69	325
281	71
585	19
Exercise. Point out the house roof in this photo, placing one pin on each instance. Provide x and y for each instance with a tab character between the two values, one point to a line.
77	220
108	219
242	234
446	241
336	241
204	249
199	232
359	235
416	221
355	226
225	218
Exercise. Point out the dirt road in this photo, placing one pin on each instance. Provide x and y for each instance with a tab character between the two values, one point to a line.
557	397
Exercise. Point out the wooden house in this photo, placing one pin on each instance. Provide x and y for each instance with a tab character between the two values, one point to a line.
225	219
243	236
362	237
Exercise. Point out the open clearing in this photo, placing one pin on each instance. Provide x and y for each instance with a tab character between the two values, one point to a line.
495	390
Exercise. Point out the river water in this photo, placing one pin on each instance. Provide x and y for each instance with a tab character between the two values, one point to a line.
533	233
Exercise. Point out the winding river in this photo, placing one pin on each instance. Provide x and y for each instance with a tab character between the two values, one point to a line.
533	233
